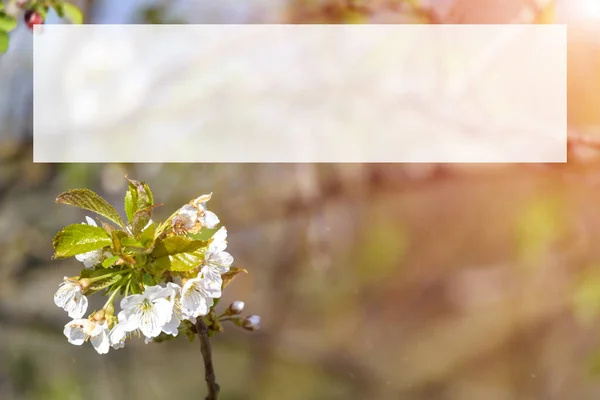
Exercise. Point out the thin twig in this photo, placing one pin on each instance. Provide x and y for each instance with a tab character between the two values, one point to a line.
209	369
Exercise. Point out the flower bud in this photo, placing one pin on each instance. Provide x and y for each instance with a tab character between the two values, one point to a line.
99	315
110	310
251	323
235	308
84	283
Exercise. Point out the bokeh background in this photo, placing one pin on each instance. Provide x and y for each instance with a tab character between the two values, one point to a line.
404	281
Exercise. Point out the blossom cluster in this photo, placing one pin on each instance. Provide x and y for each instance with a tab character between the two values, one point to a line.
161	301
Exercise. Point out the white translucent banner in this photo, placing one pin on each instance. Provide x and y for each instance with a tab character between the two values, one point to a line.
300	93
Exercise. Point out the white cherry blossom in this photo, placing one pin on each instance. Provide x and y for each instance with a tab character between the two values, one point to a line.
80	330
197	296
187	216
216	260
70	298
148	312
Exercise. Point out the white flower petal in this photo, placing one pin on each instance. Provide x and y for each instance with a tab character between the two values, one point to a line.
77	307
218	242
117	336
65	293
131	301
212	274
187	216
172	327
91	258
149	323
77	331
210	219
70	298
90	221
197	297
157	292
101	341
220	261
148	312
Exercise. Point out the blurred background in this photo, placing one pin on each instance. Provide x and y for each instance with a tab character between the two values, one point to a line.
379	281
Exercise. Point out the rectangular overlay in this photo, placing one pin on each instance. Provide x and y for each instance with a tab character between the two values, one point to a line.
300	93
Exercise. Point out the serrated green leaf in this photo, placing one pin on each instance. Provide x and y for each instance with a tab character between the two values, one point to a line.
109	262
228	276
148	194
129	205
72	13
7	23
89	200
4	41
178	253
79	238
177	244
96	286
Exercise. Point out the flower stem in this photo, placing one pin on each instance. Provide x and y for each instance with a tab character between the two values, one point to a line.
112	297
209	370
101	277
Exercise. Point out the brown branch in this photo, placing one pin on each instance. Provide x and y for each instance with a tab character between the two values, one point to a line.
209	369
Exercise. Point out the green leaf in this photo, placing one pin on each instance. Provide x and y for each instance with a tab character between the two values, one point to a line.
131	242
79	238
92	273
96	286
129	205
4	41
149	194
7	23
117	240
178	253
140	220
147	235
72	13
177	244
204	234
88	200
228	276
141	194
109	262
